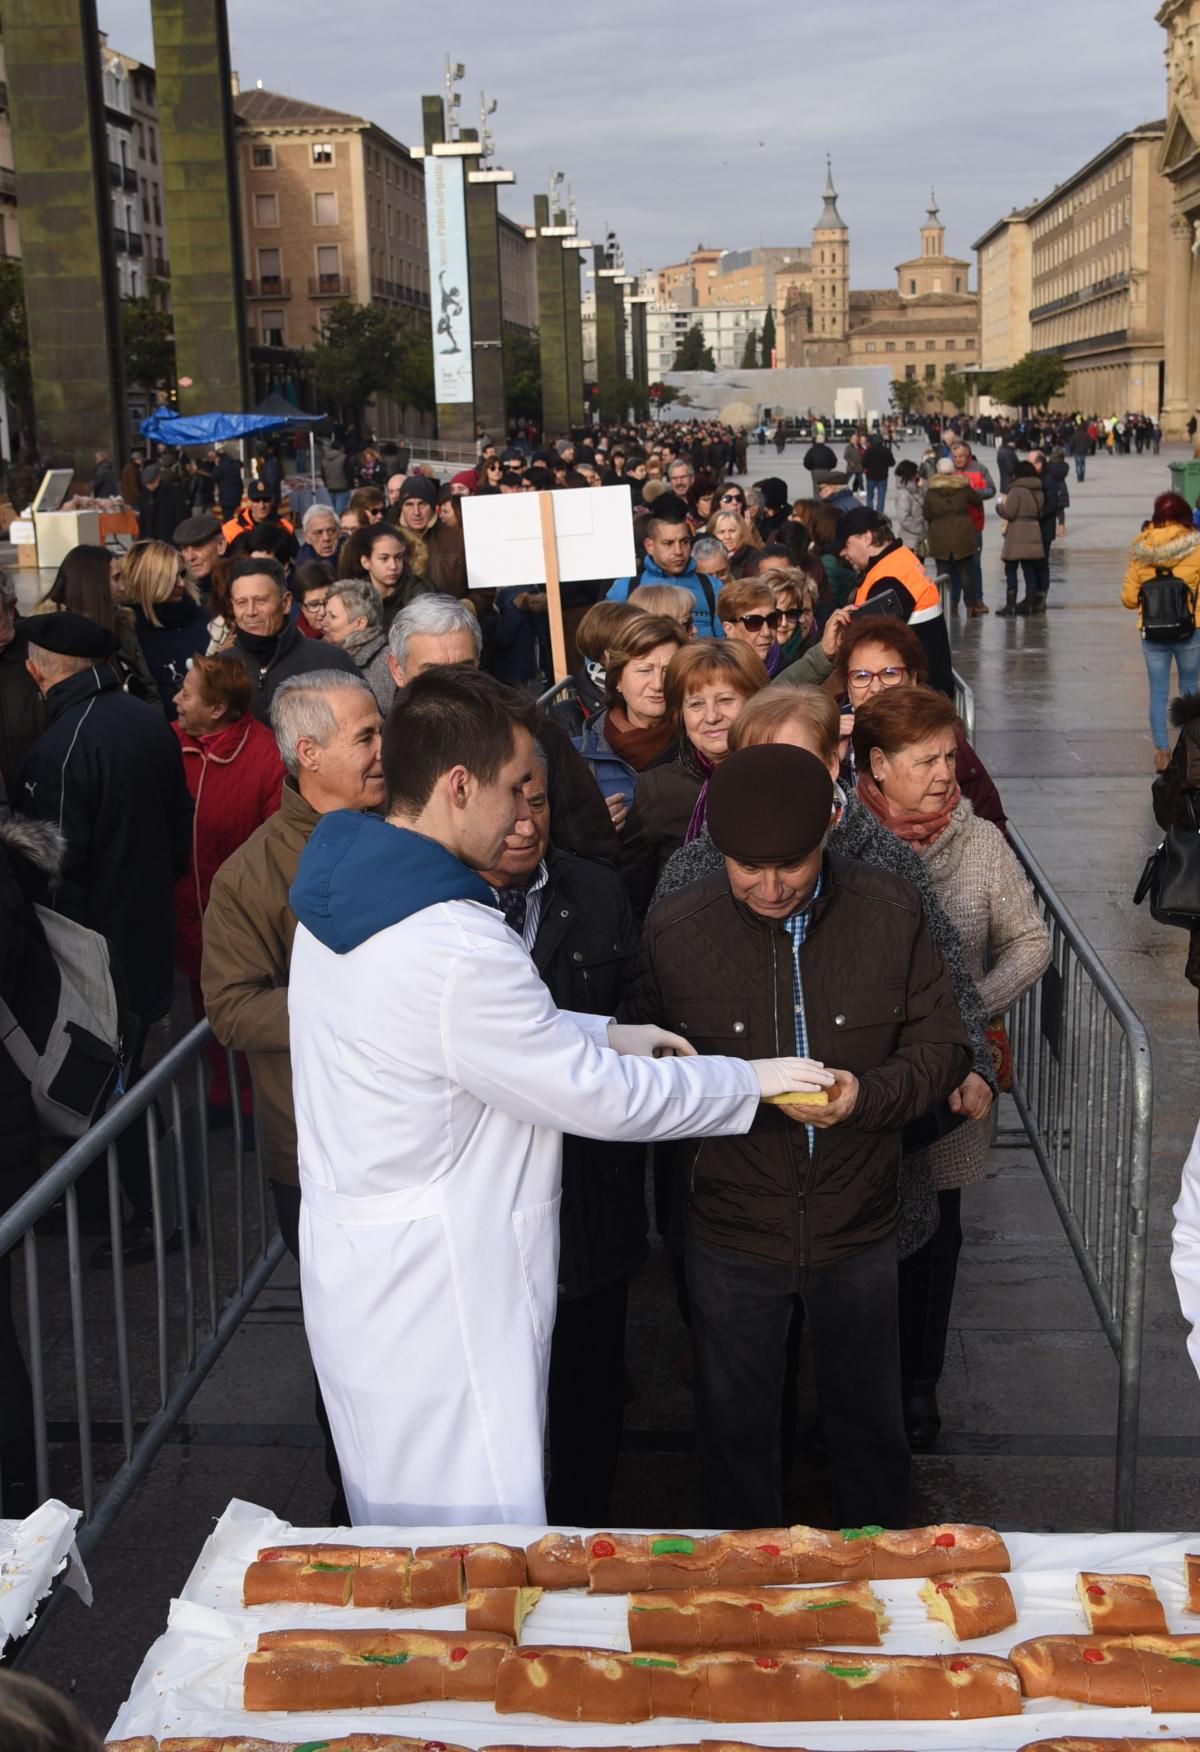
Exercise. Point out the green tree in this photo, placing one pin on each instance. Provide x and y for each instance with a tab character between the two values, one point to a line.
148	339
954	388
693	355
1033	382
768	336
750	351
365	350
614	404
14	344
907	395
522	376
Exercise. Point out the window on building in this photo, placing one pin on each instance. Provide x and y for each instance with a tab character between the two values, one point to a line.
325	209
133	283
272	328
930	373
930	346
910	346
329	267
958	282
145	206
322	152
270	270
262	157
153	139
157	209
910	373
871	346
889	346
912	285
266	210
950	346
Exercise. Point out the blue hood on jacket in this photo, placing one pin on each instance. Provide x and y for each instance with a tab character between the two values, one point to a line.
357	875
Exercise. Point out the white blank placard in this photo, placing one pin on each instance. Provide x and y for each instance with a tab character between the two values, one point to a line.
503	535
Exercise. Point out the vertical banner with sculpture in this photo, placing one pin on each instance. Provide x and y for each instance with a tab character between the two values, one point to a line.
449	304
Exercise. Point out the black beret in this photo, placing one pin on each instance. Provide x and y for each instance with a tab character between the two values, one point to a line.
69	635
194	531
420	487
860	521
770	804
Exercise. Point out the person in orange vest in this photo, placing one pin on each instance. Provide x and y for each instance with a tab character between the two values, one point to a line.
256	509
866	542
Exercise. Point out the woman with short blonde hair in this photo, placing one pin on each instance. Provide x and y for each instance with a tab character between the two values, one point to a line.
671	600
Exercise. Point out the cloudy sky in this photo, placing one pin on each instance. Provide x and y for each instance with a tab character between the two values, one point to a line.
709	121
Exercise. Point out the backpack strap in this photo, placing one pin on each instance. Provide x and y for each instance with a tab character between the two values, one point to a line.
708	597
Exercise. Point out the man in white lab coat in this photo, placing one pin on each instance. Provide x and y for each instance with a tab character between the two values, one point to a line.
433	1080
1185	1248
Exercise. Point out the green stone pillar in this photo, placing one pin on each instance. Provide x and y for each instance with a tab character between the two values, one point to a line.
552	327
639	369
200	185
60	154
455	420
487	318
573	329
608	322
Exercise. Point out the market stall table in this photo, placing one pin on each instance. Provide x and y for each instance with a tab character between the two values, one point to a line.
191	1680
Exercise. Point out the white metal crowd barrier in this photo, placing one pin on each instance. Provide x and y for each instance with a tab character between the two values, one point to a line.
1083	1087
81	1327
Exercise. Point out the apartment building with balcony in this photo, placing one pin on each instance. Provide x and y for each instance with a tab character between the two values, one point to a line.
134	172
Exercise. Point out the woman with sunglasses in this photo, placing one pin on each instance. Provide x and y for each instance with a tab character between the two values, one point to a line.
796	599
747	612
877	653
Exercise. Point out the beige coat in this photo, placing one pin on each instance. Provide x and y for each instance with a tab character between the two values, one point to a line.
248	931
1006	946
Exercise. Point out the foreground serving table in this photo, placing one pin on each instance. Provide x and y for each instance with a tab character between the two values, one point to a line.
190	1682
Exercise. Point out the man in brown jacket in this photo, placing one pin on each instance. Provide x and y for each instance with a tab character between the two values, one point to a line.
328	729
795	949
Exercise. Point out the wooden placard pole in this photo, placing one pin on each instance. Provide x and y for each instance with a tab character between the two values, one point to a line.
558	641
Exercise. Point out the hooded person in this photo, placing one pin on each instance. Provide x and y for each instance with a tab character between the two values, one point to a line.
776	507
433	1080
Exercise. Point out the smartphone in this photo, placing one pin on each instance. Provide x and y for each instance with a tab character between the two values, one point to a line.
885	602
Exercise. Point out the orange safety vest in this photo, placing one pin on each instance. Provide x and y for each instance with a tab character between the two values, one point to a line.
901	563
241	521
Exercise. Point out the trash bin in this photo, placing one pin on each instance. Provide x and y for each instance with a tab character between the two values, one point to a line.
1185	479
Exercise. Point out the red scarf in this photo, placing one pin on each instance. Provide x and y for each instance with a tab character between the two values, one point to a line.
640	748
909	825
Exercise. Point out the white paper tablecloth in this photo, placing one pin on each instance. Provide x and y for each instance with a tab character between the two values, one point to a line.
32	1553
191	1680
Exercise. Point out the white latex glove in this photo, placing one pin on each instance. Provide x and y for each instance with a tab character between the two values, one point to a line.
644	1040
780	1076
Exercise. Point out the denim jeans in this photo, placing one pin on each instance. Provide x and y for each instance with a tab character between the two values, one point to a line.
966	579
742	1311
1028	572
1080	467
1186	654
876	494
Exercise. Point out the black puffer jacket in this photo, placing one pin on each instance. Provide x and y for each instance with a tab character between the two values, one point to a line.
878	1003
584	950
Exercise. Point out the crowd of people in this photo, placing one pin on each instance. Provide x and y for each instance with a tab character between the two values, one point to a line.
453	938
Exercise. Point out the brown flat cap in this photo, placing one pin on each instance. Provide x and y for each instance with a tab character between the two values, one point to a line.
770	804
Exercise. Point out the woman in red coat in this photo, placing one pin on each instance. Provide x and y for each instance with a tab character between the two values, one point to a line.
235	775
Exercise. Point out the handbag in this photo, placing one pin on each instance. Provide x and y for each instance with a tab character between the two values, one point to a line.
1172	876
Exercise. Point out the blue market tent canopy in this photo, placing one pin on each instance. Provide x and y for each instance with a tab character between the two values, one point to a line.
166	427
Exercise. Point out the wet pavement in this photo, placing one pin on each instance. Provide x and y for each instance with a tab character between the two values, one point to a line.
1029	1395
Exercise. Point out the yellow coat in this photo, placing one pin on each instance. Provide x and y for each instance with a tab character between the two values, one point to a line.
1173	547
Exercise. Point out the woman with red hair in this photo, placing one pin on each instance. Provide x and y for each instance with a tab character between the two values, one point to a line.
1168	547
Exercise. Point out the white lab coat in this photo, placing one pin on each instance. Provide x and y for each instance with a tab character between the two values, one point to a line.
1185	1247
433	1080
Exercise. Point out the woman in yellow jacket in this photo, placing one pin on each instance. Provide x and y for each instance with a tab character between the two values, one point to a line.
1168	543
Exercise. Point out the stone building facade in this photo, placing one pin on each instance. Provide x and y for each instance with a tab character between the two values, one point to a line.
925	325
1179	164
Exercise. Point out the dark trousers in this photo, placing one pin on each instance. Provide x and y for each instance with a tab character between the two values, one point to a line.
1028	573
287	1215
587	1405
18	1472
926	1294
741	1314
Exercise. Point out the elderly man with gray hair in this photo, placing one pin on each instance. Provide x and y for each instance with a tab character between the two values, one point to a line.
320	534
437	631
328	728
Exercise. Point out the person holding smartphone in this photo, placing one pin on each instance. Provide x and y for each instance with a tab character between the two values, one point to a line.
893	577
